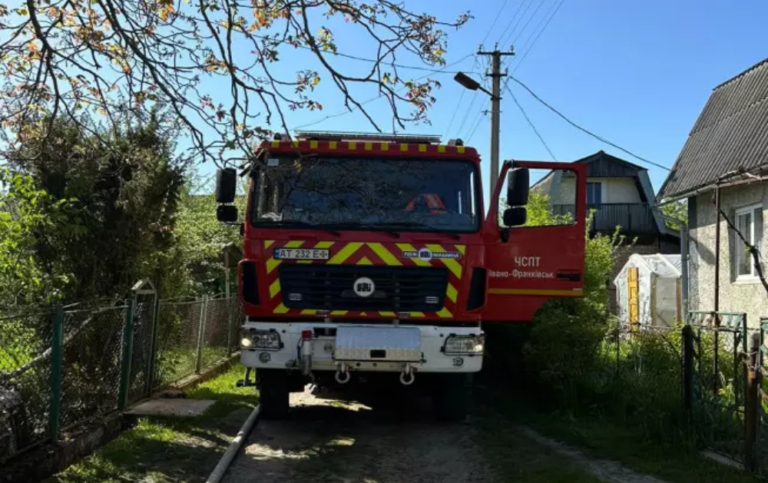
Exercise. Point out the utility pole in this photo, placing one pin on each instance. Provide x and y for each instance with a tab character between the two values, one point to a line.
495	76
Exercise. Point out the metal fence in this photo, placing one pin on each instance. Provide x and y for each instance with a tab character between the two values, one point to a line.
64	366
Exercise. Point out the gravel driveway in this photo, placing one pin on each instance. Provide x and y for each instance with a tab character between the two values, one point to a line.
381	438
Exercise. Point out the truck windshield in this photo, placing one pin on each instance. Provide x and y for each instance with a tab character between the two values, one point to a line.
401	194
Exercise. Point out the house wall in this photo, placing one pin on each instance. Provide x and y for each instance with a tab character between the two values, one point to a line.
615	190
735	296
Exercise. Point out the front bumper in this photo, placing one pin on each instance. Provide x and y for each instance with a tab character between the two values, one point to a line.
320	352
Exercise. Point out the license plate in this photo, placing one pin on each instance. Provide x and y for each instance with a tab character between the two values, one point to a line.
301	254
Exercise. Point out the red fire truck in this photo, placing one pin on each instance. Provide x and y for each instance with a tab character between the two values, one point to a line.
370	256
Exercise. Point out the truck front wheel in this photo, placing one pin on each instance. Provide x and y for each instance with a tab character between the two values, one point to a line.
274	396
452	396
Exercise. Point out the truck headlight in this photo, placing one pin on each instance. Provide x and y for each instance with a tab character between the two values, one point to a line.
252	339
464	344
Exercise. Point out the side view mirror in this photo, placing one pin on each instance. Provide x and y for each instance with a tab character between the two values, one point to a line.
518	186
516	216
226	185
226	213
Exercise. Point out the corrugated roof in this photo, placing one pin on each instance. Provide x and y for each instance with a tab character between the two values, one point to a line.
731	134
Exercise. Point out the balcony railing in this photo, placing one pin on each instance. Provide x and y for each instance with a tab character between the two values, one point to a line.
633	218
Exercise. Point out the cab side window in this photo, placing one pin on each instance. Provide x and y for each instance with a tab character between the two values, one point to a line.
551	202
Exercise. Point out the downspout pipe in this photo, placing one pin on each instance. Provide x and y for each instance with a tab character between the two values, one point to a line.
684	255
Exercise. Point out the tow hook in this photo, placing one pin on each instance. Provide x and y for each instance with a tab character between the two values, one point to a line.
342	374
407	377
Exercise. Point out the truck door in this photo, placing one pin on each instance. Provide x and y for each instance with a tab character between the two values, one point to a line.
540	256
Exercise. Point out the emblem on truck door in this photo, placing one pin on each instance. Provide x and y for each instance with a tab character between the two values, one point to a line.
364	287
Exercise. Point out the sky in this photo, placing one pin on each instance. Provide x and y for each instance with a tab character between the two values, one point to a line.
637	73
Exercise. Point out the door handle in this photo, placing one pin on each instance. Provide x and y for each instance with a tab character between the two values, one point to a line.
568	275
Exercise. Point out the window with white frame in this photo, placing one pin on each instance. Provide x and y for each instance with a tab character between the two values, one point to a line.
749	221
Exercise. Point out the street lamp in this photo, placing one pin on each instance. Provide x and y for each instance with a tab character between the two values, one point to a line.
470	83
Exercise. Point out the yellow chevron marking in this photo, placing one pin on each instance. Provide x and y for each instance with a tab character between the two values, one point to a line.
452	293
365	261
441	148
281	309
363	314
384	254
407	247
462	249
403	147
422	148
344	253
332	144
295	143
452	264
368	146
384	146
460	149
274	289
268	243
339	312
313	144
275	144
309	312
273	263
531	291
387	314
351	145
416	314
444	314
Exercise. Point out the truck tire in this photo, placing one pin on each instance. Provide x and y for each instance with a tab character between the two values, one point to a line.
453	397
274	396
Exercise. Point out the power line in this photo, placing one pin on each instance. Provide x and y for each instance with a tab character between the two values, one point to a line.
456	110
530	19
479	121
530	123
599	138
518	22
528	50
466	117
495	19
368	101
511	20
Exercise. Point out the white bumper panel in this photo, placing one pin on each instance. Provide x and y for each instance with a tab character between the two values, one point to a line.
378	348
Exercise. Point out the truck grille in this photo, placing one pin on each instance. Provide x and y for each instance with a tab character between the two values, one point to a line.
397	289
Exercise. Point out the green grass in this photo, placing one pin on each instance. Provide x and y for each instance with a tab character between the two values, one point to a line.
676	461
164	450
516	458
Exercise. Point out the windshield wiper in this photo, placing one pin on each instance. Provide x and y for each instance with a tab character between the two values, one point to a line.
416	224
305	224
365	226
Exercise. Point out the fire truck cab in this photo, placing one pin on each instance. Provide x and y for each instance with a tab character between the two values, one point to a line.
372	256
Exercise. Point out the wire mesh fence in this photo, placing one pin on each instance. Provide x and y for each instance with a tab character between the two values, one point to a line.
62	367
25	374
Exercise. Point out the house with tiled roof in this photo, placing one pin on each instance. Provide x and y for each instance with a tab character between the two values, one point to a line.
725	163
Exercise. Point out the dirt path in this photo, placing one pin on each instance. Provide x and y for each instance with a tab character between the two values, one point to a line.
329	439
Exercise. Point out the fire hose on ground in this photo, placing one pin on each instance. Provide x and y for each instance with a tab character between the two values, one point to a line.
221	468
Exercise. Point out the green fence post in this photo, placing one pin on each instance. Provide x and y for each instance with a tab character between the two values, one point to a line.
127	355
153	346
54	415
201	335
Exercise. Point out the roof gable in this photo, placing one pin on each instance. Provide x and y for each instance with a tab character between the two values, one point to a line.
602	162
730	135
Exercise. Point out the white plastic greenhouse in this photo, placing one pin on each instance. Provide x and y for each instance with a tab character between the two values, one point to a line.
648	289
